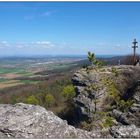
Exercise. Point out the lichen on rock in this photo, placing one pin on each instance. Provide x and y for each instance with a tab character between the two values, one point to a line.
109	89
30	121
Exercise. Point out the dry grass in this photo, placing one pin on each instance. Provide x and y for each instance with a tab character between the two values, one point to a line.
10	75
9	83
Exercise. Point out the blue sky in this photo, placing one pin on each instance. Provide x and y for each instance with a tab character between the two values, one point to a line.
40	28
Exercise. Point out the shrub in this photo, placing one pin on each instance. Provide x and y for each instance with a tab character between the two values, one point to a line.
99	64
125	105
115	71
112	91
32	100
14	99
49	99
108	122
85	125
68	92
91	58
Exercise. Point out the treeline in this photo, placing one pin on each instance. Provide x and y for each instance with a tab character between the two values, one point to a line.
54	94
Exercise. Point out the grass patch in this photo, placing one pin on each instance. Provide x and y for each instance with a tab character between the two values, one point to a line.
3	80
29	82
12	70
25	73
10	81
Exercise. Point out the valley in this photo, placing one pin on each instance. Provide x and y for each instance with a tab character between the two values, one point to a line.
21	71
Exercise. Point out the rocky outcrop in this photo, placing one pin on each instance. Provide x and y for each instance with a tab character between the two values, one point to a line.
128	131
84	81
113	90
132	116
94	86
30	121
126	118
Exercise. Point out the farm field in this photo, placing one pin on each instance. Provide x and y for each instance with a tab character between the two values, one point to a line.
22	71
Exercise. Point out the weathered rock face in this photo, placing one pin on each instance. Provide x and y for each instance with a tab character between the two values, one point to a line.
128	131
132	116
29	121
92	87
113	90
83	81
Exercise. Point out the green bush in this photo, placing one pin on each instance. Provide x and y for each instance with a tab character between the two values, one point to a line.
68	92
115	71
32	100
99	64
108	122
125	105
49	99
91	58
113	93
14	99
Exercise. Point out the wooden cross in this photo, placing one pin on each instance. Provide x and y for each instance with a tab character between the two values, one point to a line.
134	47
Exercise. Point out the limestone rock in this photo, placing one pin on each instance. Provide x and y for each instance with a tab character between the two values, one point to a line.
128	131
86	82
30	121
126	118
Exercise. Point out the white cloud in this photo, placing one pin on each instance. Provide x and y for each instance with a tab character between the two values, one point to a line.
44	44
4	44
44	14
21	45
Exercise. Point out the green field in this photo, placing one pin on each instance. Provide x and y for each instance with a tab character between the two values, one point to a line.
8	70
26	71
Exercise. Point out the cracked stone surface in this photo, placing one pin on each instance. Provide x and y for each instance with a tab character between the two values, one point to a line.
30	121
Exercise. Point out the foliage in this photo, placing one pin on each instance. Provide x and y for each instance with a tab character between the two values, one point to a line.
104	118
85	125
99	63
68	92
102	70
125	105
14	99
108	122
49	99
114	97
32	100
113	93
115	71
100	119
92	87
91	58
95	87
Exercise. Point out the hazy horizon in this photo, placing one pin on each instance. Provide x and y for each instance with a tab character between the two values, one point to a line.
59	55
68	28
